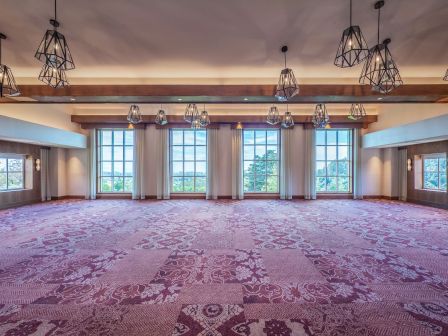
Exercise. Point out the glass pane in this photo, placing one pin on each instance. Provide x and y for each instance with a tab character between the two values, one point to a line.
431	180
321	184
178	153
188	184
272	167
272	184
272	152
129	153
249	167
249	152
343	153
260	137
177	137
343	184
343	168
118	138
118	169
106	137
321	168
332	184
178	168
201	138
320	153
201	153
248	183
106	168
2	165
189	153
128	168
248	137
320	138
15	165
442	184
200	184
106	153
201	168
260	152
3	182
343	137
118	184
331	137
189	169
189	137
260	167
118	153
431	164
331	152
128	183
332	167
129	138
442	165
15	181
272	137
106	184
260	183
178	184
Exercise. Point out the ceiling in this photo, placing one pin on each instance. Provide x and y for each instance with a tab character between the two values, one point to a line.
221	42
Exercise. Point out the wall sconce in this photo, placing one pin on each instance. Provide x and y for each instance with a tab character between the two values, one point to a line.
37	164
409	164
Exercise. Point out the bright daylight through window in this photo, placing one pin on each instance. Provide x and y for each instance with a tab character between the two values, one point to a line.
434	172
12	169
261	155
115	160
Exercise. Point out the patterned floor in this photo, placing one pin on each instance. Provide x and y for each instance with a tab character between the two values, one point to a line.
253	267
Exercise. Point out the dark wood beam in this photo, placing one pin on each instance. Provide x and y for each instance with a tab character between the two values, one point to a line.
241	94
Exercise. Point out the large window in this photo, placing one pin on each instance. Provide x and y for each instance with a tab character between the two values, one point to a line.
434	172
261	160
12	172
115	160
188	160
334	161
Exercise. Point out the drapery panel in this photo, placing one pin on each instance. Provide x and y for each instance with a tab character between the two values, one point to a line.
138	188
357	164
91	165
310	163
212	164
285	164
163	163
402	174
237	164
45	189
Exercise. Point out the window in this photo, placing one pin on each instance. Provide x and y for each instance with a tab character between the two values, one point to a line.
12	172
261	160
334	161
188	160
115	160
434	172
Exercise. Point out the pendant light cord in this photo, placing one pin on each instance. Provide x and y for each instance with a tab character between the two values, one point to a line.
350	13
0	51
55	10
379	14
285	59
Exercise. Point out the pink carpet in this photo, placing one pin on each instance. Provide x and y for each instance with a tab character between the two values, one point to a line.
253	267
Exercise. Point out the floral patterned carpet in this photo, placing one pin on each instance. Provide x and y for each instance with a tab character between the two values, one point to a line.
239	268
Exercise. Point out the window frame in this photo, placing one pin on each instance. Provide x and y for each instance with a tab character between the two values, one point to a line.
277	130
99	160
349	161
10	156
171	161
433	156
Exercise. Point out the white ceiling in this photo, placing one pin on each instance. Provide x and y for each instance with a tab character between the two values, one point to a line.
206	41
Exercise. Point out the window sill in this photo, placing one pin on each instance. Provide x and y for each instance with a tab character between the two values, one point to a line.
432	190
13	190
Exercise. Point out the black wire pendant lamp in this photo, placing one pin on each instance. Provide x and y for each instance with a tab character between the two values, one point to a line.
8	86
288	120
380	70
161	117
287	86
320	118
53	77
204	118
273	117
357	111
191	113
446	76
134	115
353	48
54	50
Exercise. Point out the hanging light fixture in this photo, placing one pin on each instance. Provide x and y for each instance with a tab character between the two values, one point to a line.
54	50
287	86
134	115
288	120
446	76
53	77
357	112
380	70
273	117
352	47
196	123
191	113
8	86
320	117
161	117
204	118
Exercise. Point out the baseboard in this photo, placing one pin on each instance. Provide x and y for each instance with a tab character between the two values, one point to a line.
434	205
334	196
298	196
262	196
390	198
18	204
225	197
114	196
190	196
67	197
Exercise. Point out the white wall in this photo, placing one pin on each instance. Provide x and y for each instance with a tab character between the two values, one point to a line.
372	171
58	172
76	172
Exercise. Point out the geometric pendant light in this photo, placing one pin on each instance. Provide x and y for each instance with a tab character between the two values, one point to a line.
161	117
191	113
53	77
353	48
134	115
320	117
446	76
54	50
287	86
288	120
204	118
357	111
380	70
8	86
273	117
